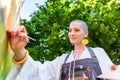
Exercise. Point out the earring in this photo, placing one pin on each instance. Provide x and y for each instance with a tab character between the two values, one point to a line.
85	41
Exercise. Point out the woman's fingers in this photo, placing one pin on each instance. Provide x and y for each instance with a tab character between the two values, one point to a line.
12	33
22	33
23	36
18	37
16	31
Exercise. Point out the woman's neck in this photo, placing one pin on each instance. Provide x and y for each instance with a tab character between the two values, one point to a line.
79	47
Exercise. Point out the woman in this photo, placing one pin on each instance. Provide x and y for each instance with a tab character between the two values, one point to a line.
82	62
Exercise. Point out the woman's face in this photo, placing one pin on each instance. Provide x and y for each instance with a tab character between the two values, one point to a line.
76	33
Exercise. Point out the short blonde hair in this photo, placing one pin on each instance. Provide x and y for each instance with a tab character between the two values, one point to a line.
82	23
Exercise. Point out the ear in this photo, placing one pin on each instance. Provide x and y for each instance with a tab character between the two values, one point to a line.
86	33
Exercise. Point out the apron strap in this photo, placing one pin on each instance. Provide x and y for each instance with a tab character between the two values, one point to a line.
95	60
66	57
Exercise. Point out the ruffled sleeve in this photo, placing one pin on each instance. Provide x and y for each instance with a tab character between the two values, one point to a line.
35	70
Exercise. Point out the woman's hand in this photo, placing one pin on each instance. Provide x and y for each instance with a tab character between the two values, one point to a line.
113	67
18	40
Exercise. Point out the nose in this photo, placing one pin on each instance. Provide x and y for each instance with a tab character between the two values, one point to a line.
72	33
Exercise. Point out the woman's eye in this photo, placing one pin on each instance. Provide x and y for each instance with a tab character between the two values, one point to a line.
69	30
77	30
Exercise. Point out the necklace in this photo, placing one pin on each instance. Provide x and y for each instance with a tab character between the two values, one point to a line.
74	58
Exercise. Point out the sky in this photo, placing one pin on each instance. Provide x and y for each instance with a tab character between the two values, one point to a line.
29	7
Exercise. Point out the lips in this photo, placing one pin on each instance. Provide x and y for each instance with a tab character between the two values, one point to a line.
73	38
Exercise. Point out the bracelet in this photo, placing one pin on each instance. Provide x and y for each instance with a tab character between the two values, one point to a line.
20	61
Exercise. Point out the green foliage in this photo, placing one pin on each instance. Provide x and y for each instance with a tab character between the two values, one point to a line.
49	26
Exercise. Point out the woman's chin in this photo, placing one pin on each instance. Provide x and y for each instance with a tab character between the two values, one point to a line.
72	42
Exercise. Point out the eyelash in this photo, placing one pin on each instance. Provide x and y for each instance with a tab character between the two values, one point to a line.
69	30
75	30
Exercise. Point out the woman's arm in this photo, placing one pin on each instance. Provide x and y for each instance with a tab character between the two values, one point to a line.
30	69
